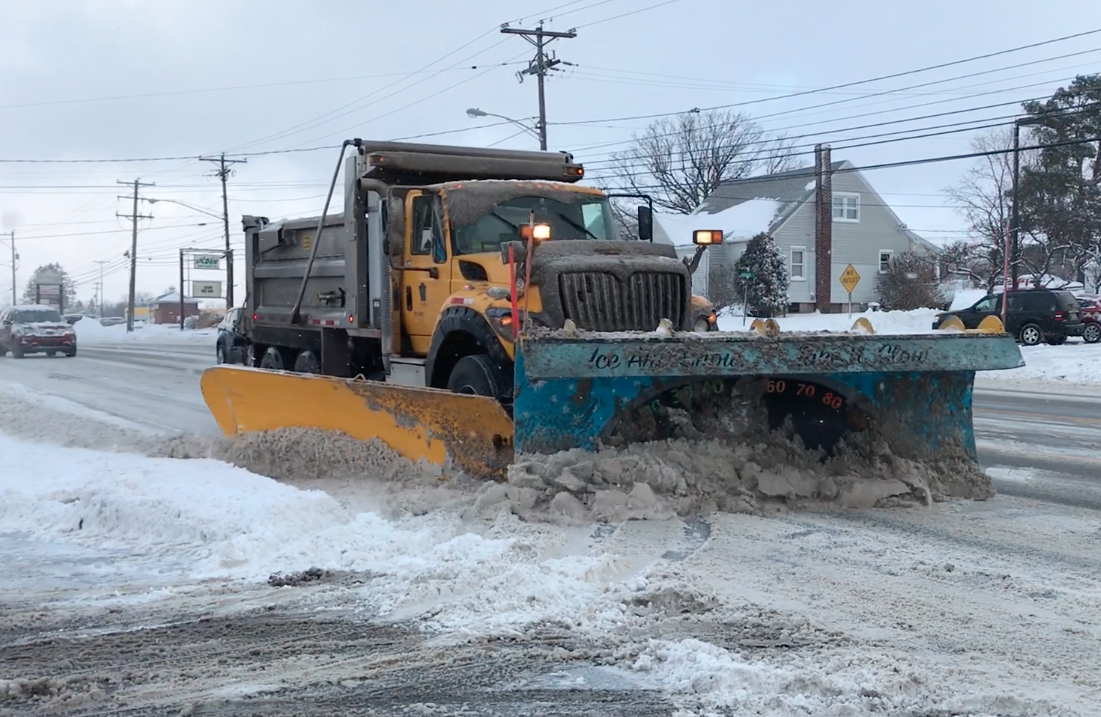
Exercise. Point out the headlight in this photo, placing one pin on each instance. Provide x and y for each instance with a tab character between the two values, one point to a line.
702	325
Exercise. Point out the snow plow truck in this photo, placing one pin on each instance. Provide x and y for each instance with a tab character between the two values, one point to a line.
471	305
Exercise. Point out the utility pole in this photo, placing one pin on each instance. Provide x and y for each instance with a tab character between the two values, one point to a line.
134	217
101	262
540	66
223	174
14	258
823	228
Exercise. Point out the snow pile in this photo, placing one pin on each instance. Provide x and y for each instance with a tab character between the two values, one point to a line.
205	519
917	321
661	480
90	331
966	298
1075	362
822	681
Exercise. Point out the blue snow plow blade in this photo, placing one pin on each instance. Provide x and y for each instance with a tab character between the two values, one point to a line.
590	391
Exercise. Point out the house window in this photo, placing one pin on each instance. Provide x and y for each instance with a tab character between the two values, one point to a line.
846	207
798	263
885	260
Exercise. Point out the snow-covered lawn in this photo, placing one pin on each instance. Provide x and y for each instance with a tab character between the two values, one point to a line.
1075	362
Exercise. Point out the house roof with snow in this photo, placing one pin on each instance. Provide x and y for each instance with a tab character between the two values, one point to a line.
742	208
742	201
172	298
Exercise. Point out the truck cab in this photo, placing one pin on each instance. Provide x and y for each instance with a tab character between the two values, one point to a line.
413	283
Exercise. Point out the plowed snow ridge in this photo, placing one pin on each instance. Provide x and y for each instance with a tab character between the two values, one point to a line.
959	608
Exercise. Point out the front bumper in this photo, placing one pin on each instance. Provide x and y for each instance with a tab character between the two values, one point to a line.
34	344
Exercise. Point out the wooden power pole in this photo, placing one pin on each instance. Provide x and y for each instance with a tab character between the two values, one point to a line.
540	66
223	173
133	217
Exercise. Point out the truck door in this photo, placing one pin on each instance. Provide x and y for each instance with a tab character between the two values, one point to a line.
425	278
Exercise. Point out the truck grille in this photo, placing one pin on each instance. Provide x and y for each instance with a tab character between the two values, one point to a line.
599	301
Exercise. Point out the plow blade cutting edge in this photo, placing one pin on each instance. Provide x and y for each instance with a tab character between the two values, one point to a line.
593	390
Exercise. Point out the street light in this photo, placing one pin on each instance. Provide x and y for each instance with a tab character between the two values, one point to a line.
183	204
475	113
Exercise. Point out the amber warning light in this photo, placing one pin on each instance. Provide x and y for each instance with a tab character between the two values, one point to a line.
705	237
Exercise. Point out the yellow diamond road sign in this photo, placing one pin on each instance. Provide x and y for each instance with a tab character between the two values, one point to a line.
849	278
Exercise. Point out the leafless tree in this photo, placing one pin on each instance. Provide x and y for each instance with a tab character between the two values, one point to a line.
984	197
680	160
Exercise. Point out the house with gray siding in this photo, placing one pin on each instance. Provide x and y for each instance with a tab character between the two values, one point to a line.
866	231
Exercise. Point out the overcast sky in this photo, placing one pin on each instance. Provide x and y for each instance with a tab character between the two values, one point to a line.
133	79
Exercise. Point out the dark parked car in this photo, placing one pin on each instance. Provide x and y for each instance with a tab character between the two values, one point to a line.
1033	315
231	344
32	329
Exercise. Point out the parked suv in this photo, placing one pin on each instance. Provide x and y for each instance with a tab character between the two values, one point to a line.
231	343
1033	315
32	329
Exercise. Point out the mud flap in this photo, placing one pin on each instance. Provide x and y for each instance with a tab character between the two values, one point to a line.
582	392
438	427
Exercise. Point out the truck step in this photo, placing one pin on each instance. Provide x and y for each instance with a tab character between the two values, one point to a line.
407	371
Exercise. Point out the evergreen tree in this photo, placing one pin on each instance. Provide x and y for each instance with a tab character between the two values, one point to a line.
1061	193
50	274
766	287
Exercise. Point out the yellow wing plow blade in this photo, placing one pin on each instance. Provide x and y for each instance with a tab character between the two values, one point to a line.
422	424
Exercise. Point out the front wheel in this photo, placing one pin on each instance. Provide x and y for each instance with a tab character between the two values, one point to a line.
479	375
1031	334
1092	333
220	353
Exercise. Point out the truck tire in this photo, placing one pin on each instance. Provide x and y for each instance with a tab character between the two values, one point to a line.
307	362
478	375
273	360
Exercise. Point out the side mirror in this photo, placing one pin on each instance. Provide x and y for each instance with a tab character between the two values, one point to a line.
707	237
645	224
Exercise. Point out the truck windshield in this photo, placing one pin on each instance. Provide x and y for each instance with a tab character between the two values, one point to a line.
585	219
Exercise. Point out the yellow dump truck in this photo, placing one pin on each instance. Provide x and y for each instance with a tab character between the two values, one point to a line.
410	284
472	305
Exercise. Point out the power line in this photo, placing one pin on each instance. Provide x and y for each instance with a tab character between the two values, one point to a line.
846	84
234	88
626	14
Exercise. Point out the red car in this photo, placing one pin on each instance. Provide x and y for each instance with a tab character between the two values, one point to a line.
1091	315
32	329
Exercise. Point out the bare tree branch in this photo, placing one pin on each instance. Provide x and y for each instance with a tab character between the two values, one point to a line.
681	160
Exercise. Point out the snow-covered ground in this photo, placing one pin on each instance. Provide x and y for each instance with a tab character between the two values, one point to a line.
1075	362
961	608
91	332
